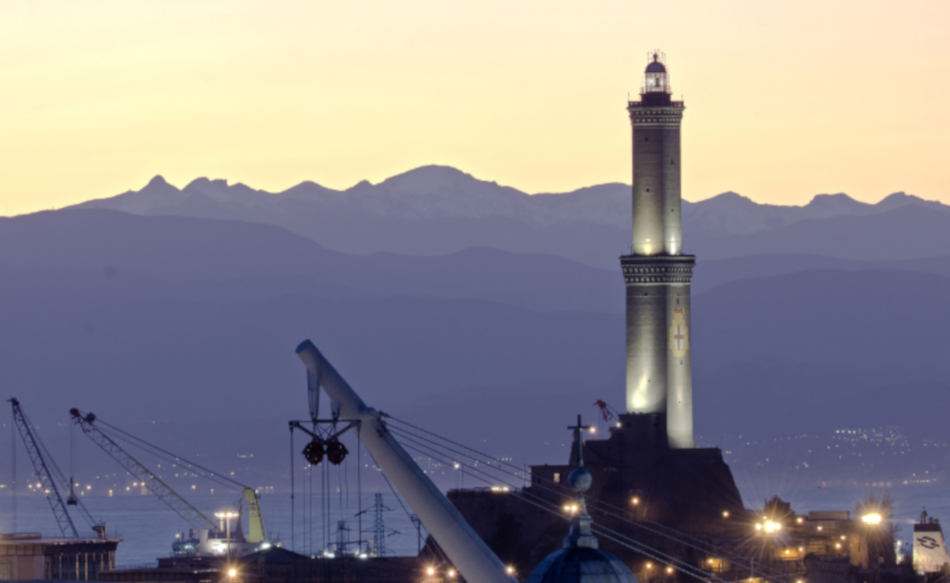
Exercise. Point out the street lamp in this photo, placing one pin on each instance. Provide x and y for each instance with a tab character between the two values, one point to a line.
227	516
872	518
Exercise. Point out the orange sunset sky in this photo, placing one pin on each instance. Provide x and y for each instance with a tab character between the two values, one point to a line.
784	99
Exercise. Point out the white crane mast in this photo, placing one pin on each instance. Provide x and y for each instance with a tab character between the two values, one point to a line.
467	551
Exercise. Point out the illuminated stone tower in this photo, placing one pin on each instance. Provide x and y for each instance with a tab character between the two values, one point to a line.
657	274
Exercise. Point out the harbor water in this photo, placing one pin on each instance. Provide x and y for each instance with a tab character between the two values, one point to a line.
148	527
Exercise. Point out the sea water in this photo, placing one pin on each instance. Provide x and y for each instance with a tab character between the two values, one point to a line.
148	527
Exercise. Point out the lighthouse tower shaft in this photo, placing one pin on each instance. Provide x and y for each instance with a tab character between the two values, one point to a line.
656	273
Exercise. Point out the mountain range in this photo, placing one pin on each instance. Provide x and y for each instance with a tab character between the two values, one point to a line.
436	210
183	306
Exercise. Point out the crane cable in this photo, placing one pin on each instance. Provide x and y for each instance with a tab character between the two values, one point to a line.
553	509
600	530
609	509
58	473
173	458
436	550
613	510
774	573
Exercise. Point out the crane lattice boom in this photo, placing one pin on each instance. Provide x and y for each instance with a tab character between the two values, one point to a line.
33	448
164	492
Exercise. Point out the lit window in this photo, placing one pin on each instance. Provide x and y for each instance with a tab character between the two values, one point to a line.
557	478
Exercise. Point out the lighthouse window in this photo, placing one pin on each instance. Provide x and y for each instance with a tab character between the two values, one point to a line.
557	478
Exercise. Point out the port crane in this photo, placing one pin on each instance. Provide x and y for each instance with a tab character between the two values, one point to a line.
467	551
609	413
165	493
38	455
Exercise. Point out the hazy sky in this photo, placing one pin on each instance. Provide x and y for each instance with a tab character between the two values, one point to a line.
784	99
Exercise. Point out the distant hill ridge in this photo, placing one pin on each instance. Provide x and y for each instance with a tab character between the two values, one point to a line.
437	210
443	191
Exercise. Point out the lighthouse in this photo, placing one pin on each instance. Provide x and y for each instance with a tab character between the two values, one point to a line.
659	388
648	464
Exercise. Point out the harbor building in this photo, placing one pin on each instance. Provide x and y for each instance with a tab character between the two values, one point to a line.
25	556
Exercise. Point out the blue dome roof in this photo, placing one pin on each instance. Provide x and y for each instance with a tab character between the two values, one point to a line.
656	67
581	565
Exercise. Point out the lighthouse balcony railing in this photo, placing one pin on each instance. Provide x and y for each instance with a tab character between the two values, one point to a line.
670	104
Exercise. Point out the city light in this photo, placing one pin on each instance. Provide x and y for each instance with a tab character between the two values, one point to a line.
227	516
451	573
430	571
649	565
725	514
635	501
872	518
510	570
669	569
232	572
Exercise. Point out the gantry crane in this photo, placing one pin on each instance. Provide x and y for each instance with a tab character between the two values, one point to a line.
38	455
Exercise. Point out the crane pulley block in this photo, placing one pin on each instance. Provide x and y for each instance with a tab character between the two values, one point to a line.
328	444
336	452
314	451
